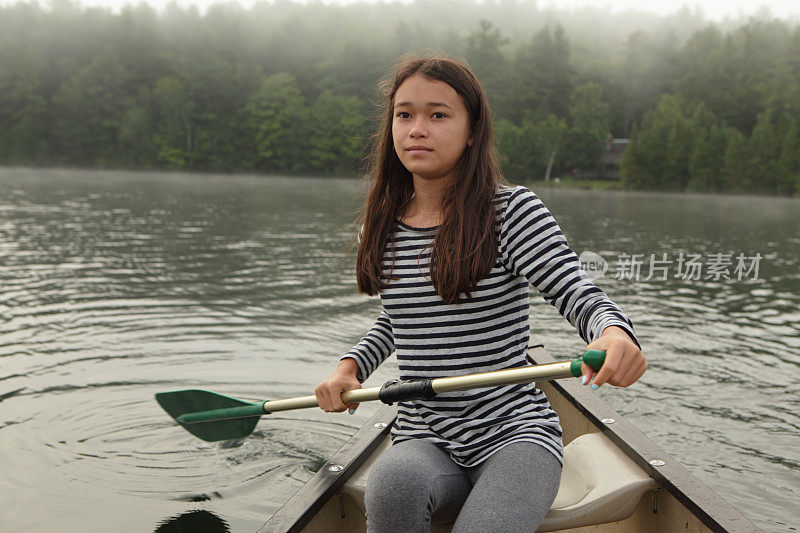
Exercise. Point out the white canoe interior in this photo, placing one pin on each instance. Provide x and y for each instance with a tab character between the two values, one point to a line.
614	479
602	489
599	484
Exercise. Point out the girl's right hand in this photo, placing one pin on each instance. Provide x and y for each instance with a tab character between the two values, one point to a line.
343	378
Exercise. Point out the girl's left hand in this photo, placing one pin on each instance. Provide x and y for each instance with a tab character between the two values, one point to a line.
624	364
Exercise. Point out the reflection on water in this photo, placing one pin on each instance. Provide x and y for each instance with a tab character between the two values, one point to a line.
115	286
193	521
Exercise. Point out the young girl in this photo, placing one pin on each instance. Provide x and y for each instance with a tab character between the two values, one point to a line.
451	248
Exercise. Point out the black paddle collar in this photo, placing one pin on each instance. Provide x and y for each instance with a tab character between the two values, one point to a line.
396	390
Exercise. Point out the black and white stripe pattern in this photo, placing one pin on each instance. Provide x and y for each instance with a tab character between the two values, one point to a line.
488	331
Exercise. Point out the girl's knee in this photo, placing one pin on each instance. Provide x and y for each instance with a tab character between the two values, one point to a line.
404	471
414	483
396	498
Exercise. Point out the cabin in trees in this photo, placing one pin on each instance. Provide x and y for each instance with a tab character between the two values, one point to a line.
611	155
615	148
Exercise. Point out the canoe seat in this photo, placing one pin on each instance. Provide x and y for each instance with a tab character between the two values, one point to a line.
599	484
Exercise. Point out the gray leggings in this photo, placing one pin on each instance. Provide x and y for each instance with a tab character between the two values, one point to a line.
415	483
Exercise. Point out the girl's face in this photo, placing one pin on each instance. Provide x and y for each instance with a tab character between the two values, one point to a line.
430	127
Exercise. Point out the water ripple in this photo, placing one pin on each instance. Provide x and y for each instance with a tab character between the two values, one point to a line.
118	285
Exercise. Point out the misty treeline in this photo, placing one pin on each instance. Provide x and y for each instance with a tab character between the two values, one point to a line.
292	89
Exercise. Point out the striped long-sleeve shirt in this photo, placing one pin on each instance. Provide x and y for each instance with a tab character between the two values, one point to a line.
488	331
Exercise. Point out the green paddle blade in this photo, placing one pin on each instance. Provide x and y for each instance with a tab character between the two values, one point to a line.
211	416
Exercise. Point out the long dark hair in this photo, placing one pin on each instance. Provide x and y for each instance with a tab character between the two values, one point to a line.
464	249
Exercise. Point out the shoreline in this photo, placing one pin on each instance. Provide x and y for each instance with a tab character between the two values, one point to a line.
562	183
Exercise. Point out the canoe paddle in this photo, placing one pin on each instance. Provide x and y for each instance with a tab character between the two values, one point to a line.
214	417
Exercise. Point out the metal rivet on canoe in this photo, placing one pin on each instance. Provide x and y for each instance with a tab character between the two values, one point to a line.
381	425
608	421
335	468
657	462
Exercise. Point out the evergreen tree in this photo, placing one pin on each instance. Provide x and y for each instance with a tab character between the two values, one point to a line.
88	113
636	167
752	55
485	56
139	89
789	162
23	106
280	119
660	146
176	133
484	53
336	138
643	75
520	160
705	74
680	142
588	129
707	152
764	150
221	91
550	136
528	151
733	175
136	133
543	80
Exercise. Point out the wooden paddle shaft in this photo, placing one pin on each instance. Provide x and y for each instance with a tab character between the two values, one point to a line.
525	374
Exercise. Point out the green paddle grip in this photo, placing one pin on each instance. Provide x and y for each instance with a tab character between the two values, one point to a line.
593	358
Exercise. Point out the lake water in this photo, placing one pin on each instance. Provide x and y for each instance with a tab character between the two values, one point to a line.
115	286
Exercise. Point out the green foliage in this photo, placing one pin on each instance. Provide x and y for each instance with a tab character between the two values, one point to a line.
735	162
526	150
337	137
701	153
658	157
520	162
634	82
764	150
279	118
176	136
289	88
23	105
290	137
590	124
788	178
543	78
707	151
484	52
136	138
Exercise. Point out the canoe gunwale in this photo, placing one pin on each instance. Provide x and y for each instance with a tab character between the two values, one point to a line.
705	504
301	508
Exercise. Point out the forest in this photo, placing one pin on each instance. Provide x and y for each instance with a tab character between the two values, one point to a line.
289	88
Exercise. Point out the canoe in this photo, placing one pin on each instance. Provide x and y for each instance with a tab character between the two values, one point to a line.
614	477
